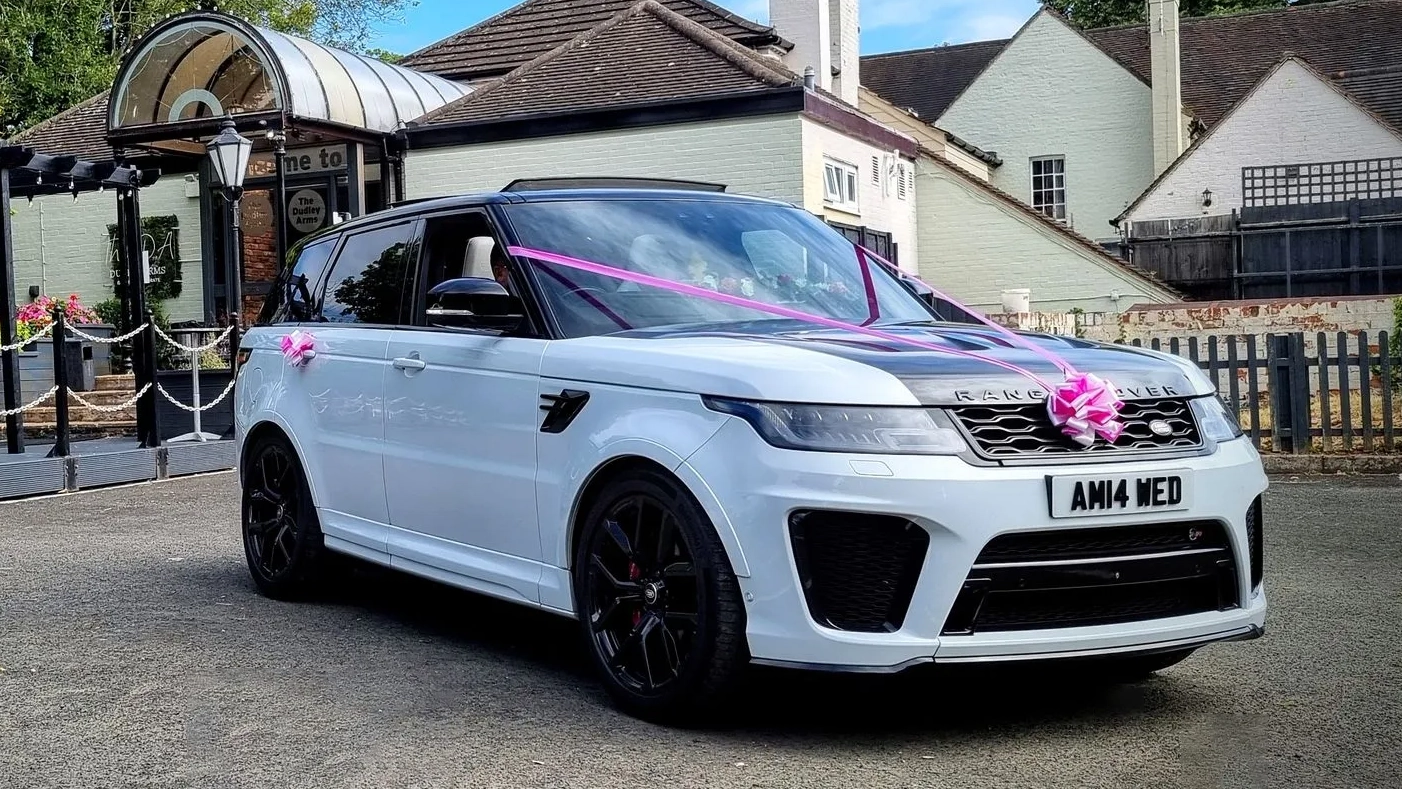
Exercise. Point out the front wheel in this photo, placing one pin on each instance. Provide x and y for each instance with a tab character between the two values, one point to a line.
281	534
659	605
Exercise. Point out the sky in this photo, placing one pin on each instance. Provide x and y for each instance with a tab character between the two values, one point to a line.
887	25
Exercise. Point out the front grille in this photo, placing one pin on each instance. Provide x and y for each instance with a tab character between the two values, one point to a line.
1256	541
1008	431
1096	576
858	571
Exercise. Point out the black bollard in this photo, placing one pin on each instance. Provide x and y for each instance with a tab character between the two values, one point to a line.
60	343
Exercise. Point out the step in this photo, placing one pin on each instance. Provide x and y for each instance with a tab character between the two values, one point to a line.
126	383
77	431
78	413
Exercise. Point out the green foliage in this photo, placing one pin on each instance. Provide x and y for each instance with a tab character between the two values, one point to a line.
1099	13
56	53
168	357
384	55
160	235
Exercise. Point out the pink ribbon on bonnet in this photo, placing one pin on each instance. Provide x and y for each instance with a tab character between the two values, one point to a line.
1084	407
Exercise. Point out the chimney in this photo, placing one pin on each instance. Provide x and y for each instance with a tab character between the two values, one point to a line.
807	24
1166	81
846	49
826	38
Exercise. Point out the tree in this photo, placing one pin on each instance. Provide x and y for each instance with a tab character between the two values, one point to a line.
1099	13
56	53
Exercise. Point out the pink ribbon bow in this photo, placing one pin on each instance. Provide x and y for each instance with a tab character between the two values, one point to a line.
1085	407
298	347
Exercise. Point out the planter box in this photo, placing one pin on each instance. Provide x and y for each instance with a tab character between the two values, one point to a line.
173	421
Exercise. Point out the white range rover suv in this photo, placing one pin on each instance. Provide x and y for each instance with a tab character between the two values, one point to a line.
704	486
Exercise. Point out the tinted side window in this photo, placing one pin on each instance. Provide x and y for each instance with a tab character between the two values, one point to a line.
291	298
367	281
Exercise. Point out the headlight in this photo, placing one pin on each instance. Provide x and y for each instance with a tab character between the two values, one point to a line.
1214	420
836	428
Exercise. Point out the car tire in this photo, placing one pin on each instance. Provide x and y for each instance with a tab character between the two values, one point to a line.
282	537
663	624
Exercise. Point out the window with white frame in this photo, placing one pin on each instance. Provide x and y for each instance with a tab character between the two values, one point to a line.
840	184
1049	186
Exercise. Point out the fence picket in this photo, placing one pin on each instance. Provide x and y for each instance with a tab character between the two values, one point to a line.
1365	391
1252	387
1385	352
1276	393
1233	380
1345	407
1212	371
1326	414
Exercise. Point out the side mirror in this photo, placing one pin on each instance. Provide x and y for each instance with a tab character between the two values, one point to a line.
474	303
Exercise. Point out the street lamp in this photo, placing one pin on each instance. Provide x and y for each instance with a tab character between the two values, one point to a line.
229	152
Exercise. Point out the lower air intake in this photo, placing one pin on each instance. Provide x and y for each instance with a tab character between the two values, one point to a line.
858	570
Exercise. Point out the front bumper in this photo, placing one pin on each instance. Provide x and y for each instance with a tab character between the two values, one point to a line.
753	488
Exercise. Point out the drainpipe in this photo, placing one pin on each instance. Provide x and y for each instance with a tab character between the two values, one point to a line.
43	254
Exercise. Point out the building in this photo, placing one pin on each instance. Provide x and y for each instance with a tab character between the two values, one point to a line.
550	88
1085	121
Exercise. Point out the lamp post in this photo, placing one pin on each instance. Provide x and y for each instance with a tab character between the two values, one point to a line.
229	152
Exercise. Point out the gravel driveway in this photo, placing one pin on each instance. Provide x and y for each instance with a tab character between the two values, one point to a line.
134	652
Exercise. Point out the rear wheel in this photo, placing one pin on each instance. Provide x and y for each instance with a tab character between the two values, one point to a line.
658	602
281	535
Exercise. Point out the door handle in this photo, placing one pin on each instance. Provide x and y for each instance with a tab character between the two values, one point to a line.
409	363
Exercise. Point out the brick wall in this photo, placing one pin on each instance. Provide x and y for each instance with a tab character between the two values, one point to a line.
1053	93
756	156
974	245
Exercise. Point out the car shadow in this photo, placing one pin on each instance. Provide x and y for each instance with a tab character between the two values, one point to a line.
964	702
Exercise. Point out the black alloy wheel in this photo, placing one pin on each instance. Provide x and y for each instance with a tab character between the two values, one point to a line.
659	604
282	539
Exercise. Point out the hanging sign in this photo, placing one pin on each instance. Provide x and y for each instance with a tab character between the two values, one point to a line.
306	211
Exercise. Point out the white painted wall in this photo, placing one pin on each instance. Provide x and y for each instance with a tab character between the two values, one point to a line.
879	208
1051	92
974	245
755	156
62	246
1292	118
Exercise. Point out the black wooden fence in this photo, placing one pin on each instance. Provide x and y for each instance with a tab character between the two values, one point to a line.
1299	393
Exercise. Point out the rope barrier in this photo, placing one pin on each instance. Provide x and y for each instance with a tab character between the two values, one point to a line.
200	348
192	409
106	340
110	409
45	397
41	334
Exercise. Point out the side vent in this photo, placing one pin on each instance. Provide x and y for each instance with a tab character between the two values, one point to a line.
561	409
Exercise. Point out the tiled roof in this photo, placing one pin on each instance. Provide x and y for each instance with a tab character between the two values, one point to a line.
1358	42
928	80
647	53
529	30
1224	56
78	131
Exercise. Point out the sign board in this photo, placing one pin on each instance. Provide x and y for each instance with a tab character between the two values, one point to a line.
306	211
300	161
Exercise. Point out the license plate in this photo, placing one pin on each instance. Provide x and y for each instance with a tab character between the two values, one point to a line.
1117	494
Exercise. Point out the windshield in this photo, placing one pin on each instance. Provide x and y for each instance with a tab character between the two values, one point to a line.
767	253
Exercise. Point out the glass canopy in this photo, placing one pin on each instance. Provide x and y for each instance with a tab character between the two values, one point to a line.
207	65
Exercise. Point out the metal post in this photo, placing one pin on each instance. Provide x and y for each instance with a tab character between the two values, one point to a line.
280	199
236	283
60	341
152	435
9	361
198	433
